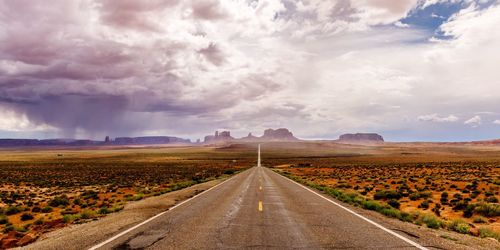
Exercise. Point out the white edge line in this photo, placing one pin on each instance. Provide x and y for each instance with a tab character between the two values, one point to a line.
156	216
360	216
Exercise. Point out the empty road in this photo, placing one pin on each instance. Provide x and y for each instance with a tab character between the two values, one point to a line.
258	209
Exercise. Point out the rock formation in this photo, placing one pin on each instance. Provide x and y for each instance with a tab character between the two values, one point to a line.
223	136
361	137
281	134
250	138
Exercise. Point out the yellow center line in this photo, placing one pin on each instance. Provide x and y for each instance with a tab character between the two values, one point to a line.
260	206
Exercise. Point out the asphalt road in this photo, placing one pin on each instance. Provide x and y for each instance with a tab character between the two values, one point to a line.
259	209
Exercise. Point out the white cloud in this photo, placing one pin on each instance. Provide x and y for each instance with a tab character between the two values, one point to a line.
437	118
401	25
474	121
11	121
496	122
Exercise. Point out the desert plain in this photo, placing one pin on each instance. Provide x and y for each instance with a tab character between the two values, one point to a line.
441	186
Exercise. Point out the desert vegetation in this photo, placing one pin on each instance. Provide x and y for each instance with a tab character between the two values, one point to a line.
43	190
434	187
453	187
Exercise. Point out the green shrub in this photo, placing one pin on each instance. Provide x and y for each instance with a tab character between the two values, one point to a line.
21	229
26	216
8	228
103	210
431	221
90	194
71	217
47	209
59	201
386	194
475	194
488	233
87	214
487	209
461	205
469	211
229	171
12	210
134	197
414	196
395	213
419	195
459	226
394	203
3	219
116	209
436	209
372	205
424	205
491	199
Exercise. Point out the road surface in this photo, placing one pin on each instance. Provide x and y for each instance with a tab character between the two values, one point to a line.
259	209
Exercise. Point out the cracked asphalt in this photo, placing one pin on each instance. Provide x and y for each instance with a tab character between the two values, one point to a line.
230	217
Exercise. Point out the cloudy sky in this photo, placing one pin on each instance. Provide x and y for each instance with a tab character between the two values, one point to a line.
412	70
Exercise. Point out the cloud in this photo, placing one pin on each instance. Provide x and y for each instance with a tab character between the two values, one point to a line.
96	67
437	118
130	14
13	122
497	122
474	121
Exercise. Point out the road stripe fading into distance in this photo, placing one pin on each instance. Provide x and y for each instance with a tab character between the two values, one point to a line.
154	217
360	216
260	206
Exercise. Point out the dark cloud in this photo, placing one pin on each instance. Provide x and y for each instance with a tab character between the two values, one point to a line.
70	112
97	80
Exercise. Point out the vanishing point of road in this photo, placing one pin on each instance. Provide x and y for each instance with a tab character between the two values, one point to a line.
259	209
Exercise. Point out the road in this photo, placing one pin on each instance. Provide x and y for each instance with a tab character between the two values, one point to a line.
259	209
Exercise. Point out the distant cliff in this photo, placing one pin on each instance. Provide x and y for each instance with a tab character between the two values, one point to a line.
361	137
281	134
48	142
223	136
146	140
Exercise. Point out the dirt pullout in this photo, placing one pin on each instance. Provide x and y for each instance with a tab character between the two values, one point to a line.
86	235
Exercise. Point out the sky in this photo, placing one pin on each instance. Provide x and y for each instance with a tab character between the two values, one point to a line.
410	70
